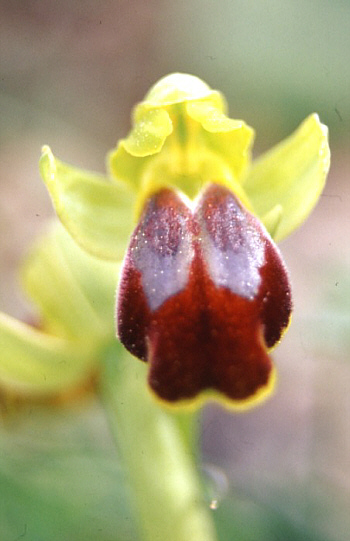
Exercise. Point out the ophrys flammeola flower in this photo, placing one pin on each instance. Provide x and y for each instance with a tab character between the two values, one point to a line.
204	293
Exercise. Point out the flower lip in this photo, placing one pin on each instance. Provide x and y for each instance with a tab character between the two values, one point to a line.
211	330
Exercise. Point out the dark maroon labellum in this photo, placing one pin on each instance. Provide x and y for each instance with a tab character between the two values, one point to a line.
204	294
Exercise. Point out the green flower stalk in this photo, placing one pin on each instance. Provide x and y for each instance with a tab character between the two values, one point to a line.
203	292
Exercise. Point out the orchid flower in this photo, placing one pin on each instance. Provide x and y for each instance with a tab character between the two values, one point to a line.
204	294
188	222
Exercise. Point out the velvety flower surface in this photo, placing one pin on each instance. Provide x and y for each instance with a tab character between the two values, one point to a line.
185	180
203	294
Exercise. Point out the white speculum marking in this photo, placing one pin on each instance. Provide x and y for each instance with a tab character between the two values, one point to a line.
230	239
164	260
234	251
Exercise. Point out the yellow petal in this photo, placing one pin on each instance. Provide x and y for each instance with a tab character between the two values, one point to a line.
231	139
95	211
176	88
290	176
149	134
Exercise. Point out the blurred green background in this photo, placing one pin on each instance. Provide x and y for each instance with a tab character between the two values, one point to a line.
70	73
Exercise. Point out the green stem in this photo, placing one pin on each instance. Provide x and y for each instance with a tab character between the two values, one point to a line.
157	455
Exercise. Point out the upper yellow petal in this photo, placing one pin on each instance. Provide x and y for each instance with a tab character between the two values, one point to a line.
290	176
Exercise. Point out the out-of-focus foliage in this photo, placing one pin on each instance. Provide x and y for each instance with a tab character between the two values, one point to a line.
60	480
